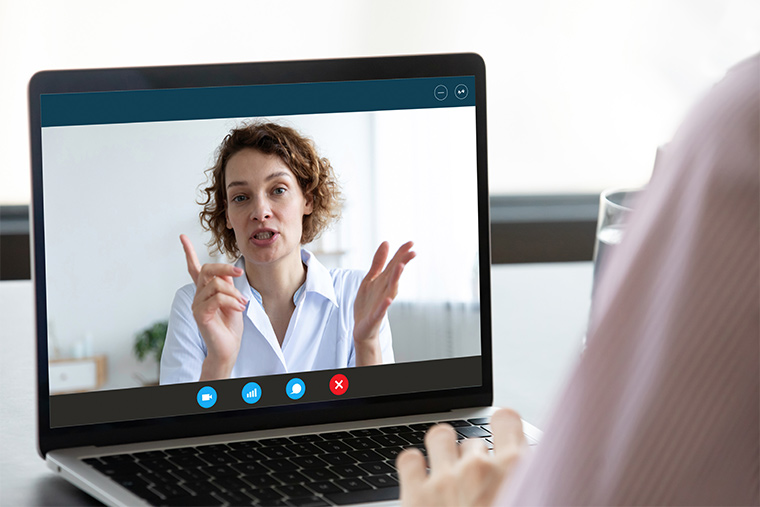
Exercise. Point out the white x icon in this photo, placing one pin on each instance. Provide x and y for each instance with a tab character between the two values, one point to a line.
339	384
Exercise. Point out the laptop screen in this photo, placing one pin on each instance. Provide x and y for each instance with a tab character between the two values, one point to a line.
297	184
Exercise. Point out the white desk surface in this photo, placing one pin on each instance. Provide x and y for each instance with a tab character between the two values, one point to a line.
539	317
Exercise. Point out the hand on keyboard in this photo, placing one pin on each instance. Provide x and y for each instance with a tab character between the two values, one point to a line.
461	475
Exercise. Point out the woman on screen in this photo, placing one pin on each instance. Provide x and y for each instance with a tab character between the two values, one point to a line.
276	309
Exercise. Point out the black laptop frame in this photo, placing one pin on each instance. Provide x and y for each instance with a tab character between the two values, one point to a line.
142	78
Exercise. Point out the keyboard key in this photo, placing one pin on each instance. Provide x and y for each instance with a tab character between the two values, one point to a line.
304	449
149	455
352	484
336	435
459	423
276	452
382	481
213	448
266	496
290	477
161	477
418	437
205	486
188	461
275	442
361	443
396	429
229	484
319	474
131	481
304	439
261	480
367	432
117	458
347	471
390	453
377	468
338	459
479	421
390	440
308	462
203	499
307	501
250	468
473	432
219	471
218	458
363	496
422	426
294	490
190	474
334	446
158	465
125	468
246	455
182	451
365	456
281	465
234	497
324	487
170	490
246	444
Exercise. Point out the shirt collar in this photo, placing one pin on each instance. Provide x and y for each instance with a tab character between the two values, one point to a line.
318	280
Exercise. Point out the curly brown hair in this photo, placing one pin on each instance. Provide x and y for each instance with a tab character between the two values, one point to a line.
314	174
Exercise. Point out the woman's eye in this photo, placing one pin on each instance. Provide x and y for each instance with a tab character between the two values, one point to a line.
279	191
238	198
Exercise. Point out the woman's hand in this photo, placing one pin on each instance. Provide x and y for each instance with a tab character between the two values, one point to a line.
461	475
376	293
218	311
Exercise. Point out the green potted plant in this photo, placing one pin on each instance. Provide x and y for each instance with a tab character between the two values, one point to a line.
150	343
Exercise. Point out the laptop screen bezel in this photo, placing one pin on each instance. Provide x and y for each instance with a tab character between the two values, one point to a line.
283	72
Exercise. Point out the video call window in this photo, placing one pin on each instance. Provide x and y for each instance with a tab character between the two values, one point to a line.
114	262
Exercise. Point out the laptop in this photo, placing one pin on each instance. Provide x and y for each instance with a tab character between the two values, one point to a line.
120	160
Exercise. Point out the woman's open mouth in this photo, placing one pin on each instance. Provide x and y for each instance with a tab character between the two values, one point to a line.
264	238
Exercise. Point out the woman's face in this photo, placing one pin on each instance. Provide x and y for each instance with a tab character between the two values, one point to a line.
265	206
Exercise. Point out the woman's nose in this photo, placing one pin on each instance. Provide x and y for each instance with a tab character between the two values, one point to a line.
261	210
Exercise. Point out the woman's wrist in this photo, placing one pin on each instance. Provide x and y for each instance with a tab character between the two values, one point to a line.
368	351
214	368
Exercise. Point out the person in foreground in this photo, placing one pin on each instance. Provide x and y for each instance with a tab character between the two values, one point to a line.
277	309
664	405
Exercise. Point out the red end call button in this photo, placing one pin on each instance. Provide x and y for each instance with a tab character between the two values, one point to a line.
338	384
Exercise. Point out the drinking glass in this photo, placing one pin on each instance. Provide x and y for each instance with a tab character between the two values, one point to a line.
615	207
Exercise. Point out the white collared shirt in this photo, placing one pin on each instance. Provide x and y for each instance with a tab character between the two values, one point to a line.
319	335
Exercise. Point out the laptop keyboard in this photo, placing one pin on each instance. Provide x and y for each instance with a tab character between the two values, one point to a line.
335	468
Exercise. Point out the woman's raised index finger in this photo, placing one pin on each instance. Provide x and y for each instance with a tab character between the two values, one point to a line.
193	265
